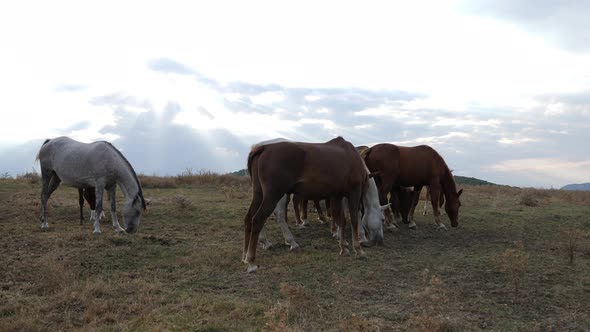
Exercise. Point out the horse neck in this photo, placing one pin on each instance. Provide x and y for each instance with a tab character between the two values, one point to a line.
448	186
371	197
128	183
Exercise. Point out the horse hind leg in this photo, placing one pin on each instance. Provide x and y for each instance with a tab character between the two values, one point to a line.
254	205
353	210
50	182
267	206
281	216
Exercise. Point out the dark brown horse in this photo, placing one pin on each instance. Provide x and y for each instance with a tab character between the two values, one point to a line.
89	195
315	171
414	167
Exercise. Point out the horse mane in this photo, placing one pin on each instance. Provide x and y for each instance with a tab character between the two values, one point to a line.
140	192
37	156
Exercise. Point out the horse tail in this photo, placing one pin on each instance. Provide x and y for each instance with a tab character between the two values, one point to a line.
37	156
365	154
253	153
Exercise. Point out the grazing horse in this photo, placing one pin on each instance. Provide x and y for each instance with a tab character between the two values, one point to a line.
415	167
90	196
314	171
96	165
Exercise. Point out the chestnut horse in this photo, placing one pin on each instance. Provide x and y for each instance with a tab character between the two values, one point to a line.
315	171
416	167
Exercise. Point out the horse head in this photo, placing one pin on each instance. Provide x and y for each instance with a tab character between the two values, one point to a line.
131	213
452	206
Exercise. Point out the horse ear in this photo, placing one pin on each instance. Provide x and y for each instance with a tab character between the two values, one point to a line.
373	174
459	192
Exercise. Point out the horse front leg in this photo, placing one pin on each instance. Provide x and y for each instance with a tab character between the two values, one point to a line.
434	197
81	203
415	200
353	210
318	208
116	226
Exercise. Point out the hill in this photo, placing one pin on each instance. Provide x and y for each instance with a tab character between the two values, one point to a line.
472	181
577	186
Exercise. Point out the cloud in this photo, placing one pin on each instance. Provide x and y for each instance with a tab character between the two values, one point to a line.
169	66
563	23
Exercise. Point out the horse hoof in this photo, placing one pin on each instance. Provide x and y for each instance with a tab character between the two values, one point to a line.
412	226
252	268
294	247
368	244
344	252
96	232
362	255
442	227
392	228
300	226
266	246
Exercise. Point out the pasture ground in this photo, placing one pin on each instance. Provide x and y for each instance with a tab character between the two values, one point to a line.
182	271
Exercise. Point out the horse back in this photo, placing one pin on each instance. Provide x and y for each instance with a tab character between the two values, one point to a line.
311	169
77	163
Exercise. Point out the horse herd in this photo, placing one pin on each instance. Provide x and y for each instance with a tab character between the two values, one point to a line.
376	186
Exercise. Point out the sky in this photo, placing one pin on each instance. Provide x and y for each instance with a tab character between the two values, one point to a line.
501	89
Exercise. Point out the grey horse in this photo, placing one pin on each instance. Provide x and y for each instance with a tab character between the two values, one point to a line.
96	165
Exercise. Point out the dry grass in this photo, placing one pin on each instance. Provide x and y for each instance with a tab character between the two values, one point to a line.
183	270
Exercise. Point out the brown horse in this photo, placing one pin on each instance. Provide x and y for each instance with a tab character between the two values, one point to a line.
315	171
414	167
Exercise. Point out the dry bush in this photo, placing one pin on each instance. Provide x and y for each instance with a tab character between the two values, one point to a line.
234	192
569	241
513	262
182	202
358	324
32	177
161	182
528	198
190	177
290	314
430	301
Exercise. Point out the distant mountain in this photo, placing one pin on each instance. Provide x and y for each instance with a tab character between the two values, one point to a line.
242	172
472	181
458	179
577	186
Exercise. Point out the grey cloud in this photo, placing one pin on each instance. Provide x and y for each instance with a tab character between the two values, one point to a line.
70	88
564	23
169	66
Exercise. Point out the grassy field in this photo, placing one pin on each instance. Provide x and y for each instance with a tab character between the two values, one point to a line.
508	267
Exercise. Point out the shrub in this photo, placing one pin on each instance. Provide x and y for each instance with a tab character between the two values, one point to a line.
513	262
